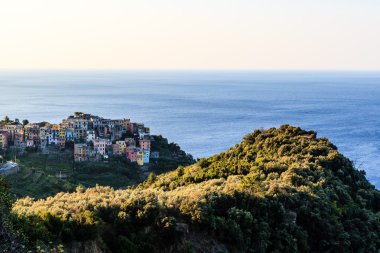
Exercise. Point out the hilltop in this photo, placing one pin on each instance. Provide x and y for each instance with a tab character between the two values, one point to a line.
279	190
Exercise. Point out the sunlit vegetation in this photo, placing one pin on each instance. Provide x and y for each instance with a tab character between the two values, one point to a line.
279	190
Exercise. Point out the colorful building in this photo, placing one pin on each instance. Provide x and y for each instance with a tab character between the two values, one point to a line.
144	144
130	142
11	129
44	134
54	135
80	152
70	134
122	146
62	138
146	156
62	133
131	154
84	130
80	134
140	157
3	140
79	123
116	149
18	138
30	143
90	135
100	146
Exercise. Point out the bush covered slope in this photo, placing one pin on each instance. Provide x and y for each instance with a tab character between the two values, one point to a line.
11	240
280	190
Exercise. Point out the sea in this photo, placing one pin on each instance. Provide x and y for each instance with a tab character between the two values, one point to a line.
207	112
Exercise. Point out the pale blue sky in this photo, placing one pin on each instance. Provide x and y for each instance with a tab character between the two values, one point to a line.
196	34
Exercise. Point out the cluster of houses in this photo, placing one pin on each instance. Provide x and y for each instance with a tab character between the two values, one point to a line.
93	137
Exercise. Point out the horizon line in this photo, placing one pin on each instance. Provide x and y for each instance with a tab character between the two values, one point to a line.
184	70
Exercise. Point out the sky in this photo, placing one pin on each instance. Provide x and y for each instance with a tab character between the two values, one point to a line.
190	34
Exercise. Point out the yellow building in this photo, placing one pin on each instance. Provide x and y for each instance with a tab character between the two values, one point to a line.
62	138
62	133
55	127
140	158
122	146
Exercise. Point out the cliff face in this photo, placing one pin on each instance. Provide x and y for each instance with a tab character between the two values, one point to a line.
279	190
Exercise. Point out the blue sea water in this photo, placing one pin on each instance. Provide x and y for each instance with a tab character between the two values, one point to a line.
206	112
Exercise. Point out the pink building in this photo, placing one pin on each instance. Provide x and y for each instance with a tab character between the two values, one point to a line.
80	152
144	144
32	132
100	146
131	154
18	139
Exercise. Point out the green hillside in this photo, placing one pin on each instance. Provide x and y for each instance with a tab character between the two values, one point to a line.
279	190
42	175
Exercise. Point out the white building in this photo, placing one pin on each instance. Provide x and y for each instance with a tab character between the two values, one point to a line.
30	143
79	123
90	135
100	145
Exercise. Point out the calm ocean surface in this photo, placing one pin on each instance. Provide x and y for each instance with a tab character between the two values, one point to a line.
207	112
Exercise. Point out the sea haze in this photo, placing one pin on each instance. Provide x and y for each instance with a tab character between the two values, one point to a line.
207	112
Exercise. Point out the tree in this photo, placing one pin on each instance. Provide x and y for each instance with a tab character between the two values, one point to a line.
9	240
25	122
151	178
6	119
78	114
5	199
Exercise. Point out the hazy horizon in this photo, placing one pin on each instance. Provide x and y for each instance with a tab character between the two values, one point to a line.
194	35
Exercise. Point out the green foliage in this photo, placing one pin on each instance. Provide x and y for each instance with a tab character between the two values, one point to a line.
7	121
25	122
280	190
171	155
11	239
5	199
31	149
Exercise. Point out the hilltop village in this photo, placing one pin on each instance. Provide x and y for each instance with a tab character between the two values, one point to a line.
92	138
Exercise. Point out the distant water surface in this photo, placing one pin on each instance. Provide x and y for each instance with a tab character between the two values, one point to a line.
207	112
